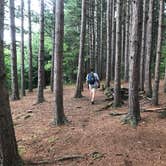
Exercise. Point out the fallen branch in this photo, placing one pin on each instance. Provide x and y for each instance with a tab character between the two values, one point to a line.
69	157
117	113
153	109
63	158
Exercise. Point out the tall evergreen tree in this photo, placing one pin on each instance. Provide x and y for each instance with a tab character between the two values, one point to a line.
22	50
113	39
40	90
59	117
117	80
157	64
143	45
109	27
134	108
148	84
30	46
79	82
14	79
8	146
127	23
53	49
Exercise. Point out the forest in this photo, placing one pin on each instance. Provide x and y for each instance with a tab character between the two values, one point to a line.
82	82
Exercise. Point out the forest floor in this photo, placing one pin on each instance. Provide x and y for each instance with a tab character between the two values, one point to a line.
93	136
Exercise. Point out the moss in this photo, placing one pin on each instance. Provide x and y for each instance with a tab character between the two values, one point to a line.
128	119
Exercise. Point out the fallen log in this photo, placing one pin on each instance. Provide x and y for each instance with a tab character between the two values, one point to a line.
152	109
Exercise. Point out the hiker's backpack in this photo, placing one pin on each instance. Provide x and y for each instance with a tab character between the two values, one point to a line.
91	78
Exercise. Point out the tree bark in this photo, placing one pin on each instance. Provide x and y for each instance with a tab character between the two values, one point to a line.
8	146
148	85
53	50
134	108
157	64
59	117
22	50
30	46
101	41
143	46
117	80
127	22
79	82
92	36
113	40
40	90
14	79
109	27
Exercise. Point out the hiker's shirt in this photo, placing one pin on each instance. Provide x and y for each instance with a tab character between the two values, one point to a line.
96	83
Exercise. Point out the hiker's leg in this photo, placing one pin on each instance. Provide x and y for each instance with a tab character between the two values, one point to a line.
93	95
90	92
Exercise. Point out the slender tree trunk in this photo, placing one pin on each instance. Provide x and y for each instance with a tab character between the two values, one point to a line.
123	15
98	38
101	40
8	146
157	64
81	52
40	90
22	50
134	108
59	117
113	40
117	82
14	79
95	36
92	33
143	46
126	63
53	50
109	26
30	46
148	85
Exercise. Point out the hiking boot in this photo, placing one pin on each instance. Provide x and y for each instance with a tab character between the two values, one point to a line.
92	102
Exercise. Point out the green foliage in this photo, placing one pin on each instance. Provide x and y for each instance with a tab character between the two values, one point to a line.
72	18
71	39
8	67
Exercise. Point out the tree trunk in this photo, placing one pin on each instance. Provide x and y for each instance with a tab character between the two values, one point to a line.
113	40
126	63
148	85
30	46
59	117
14	79
40	90
157	64
95	36
81	52
109	27
92	36
22	50
101	41
117	79
134	108
8	146
53	50
143	46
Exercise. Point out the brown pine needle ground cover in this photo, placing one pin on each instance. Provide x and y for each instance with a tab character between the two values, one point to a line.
91	138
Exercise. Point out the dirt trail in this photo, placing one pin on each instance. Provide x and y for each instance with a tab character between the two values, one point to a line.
95	138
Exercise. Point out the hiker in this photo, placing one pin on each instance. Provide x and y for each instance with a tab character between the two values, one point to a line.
93	82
